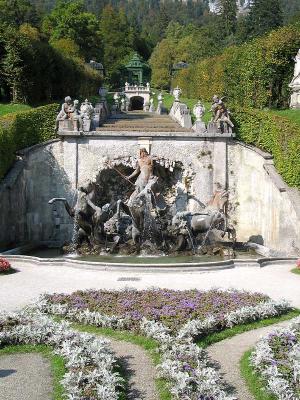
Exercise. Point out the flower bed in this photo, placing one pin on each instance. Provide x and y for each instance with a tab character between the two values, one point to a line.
174	319
4	265
172	308
277	359
89	361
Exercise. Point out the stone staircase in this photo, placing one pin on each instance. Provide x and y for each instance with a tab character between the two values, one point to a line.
141	122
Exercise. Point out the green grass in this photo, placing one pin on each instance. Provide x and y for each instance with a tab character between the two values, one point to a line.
296	271
147	344
169	99
236	330
56	362
12	108
293	115
252	379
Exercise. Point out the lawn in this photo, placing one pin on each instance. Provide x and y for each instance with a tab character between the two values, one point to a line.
169	99
296	271
293	115
11	108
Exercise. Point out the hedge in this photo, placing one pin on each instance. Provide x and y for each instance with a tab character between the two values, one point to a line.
255	74
25	129
276	135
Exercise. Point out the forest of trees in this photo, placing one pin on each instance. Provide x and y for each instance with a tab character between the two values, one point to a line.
45	45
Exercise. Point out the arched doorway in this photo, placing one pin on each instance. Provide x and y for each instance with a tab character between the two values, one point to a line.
136	103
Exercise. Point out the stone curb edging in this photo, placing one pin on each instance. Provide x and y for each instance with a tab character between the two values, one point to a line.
180	267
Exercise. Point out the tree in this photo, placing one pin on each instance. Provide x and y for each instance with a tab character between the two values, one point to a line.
67	47
264	16
17	12
118	42
12	65
227	10
69	20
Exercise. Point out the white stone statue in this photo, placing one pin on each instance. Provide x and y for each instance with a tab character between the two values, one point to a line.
123	104
116	97
148	86
102	93
151	108
297	67
176	93
160	107
199	111
295	84
75	116
86	114
63	119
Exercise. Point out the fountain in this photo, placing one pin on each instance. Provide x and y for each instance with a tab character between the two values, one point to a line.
116	215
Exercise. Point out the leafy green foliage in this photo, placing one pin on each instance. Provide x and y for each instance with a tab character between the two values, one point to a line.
69	20
274	134
264	16
255	74
12	108
182	43
32	71
18	12
228	16
118	39
25	129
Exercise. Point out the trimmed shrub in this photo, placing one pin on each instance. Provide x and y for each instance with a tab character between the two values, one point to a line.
254	75
25	129
276	135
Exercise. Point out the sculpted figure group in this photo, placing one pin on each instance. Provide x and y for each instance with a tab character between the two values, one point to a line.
220	113
79	117
144	217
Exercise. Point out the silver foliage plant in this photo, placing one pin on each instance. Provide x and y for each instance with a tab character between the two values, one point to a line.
284	386
88	359
186	366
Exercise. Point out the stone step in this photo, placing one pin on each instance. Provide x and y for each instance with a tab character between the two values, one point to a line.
139	120
177	128
133	125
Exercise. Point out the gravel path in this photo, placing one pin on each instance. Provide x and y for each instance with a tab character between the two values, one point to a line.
25	377
228	353
139	368
20	288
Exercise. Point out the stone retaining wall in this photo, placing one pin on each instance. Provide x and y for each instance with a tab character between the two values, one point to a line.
262	205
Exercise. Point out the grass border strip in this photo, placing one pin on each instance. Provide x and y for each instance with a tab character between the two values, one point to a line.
253	380
238	329
296	271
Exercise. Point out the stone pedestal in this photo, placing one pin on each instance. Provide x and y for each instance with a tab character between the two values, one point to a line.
67	125
199	127
87	125
212	127
295	96
180	113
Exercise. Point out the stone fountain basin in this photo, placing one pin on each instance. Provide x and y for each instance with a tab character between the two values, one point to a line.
153	267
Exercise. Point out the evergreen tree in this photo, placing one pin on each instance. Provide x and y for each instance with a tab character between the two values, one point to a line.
227	10
264	16
17	12
118	42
